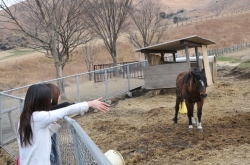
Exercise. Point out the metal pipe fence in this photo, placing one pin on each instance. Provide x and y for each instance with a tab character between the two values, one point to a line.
74	146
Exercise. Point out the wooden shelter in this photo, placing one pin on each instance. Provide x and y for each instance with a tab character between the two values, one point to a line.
164	76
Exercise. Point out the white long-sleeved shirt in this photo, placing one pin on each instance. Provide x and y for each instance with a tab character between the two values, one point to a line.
41	123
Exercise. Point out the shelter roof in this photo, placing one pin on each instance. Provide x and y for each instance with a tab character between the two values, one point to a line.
175	45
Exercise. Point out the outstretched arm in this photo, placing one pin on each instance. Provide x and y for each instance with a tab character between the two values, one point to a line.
49	117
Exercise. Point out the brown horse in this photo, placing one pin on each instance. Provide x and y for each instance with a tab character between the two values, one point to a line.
191	87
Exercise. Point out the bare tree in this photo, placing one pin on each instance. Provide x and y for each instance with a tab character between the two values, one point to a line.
149	25
89	53
109	19
219	7
56	26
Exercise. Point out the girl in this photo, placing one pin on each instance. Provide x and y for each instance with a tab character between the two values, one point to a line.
55	96
35	121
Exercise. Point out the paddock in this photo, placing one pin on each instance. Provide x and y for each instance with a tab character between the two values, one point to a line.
142	130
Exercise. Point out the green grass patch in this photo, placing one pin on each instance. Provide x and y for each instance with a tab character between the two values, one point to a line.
244	64
227	59
16	53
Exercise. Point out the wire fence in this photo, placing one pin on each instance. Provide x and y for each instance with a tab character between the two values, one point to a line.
74	146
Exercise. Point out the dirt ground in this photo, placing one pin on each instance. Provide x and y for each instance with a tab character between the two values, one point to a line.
142	130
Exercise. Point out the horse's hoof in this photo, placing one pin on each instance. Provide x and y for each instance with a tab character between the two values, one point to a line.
199	127
190	127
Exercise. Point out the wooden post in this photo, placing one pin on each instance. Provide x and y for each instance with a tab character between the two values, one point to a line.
147	57
197	57
187	56
174	57
206	65
162	58
215	70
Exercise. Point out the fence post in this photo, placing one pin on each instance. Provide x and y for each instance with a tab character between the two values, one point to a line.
128	77
1	119
78	88
21	101
106	83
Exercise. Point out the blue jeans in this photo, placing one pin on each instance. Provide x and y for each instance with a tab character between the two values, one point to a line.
54	158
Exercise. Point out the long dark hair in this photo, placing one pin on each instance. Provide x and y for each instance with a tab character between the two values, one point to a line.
55	93
38	98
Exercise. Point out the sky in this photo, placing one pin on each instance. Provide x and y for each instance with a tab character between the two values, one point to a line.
9	2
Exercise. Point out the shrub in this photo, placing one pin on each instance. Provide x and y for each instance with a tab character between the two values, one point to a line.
169	15
175	19
163	15
180	11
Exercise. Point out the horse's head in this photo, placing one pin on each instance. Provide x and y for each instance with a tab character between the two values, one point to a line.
200	81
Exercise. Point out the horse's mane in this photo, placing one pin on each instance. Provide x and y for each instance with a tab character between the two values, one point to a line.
195	73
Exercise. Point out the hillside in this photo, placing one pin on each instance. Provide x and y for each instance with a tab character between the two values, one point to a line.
225	31
201	8
192	10
17	70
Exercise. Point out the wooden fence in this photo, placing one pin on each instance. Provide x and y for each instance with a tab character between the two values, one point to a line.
235	48
195	20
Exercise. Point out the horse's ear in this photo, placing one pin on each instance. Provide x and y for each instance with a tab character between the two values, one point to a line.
203	72
194	71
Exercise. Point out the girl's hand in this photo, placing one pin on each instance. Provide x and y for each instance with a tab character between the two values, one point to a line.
99	105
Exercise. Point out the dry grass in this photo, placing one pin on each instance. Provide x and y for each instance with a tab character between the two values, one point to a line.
225	31
16	72
22	71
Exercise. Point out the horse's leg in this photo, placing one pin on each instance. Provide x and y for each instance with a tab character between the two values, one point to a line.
192	117
193	120
199	114
177	104
190	108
